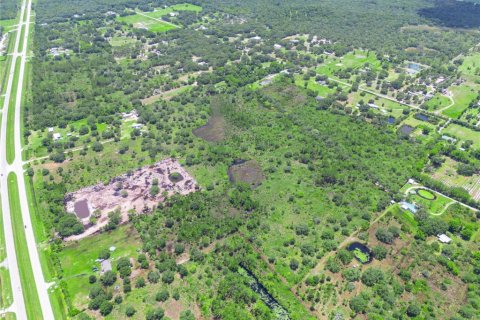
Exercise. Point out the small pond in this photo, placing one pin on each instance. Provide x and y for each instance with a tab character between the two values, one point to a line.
361	252
81	209
406	129
280	312
423	117
414	66
391	120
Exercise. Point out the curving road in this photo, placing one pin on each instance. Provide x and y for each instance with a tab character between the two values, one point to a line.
18	305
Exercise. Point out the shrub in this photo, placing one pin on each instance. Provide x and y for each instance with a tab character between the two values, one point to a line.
140	283
162	296
130	311
372	276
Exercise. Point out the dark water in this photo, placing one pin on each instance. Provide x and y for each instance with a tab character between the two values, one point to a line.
406	129
81	209
391	120
414	66
421	116
363	248
280	312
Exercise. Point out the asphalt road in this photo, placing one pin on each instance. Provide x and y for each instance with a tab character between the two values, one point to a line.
18	305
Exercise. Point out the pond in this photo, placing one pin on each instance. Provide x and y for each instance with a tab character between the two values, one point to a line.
423	117
81	209
361	252
406	129
280	312
414	66
391	120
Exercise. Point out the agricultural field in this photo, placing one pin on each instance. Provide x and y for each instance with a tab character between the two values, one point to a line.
447	174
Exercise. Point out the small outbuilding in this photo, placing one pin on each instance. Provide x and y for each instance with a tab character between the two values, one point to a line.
443	238
106	265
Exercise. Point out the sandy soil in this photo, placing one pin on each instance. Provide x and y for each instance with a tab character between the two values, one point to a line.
130	191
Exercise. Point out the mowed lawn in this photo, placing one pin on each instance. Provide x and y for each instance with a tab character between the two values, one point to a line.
78	258
354	60
471	65
8	24
142	21
27	278
462	95
158	13
439	101
464	134
153	20
434	207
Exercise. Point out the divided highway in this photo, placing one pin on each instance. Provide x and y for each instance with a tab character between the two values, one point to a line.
19	239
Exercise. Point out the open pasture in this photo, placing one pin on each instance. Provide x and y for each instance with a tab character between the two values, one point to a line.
463	133
354	60
463	95
438	101
142	21
158	13
78	258
471	65
152	21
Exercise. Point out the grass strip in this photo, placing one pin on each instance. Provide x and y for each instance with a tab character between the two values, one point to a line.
11	114
30	294
22	35
6	297
3	251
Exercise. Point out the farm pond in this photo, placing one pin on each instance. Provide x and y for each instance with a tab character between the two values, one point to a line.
361	252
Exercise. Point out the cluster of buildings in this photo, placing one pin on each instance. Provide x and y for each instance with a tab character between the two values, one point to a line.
58	51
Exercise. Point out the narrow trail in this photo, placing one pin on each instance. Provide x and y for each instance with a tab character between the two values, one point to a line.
445	108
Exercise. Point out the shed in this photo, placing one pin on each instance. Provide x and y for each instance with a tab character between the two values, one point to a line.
443	238
106	266
56	136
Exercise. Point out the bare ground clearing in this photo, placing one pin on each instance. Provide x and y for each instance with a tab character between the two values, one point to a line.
130	191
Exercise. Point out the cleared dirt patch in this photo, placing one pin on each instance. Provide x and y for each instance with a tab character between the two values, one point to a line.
246	171
140	191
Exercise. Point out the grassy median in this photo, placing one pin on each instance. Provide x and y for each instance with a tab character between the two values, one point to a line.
6	297
22	35
11	114
30	293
